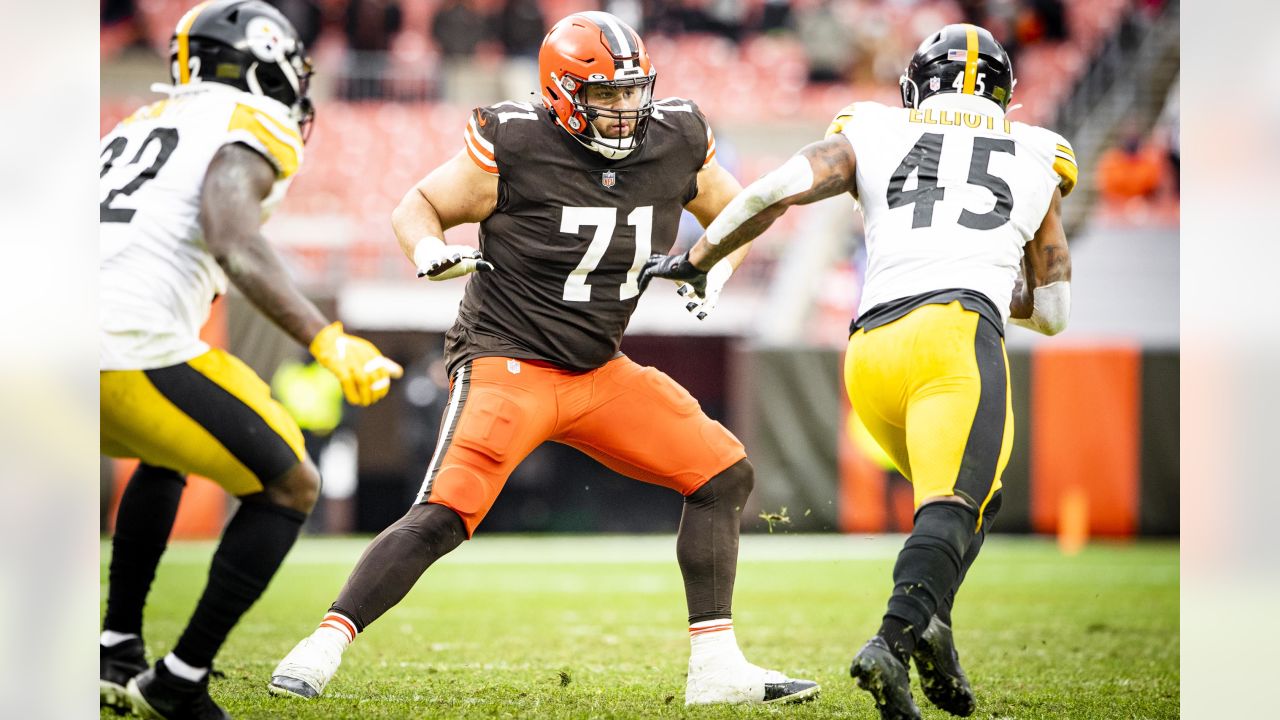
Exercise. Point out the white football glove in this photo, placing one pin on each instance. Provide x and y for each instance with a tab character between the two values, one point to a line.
702	303
437	261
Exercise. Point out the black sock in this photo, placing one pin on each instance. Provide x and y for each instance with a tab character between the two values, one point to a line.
707	542
926	571
394	561
899	636
143	523
254	544
975	546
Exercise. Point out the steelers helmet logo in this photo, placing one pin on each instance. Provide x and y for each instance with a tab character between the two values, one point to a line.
266	39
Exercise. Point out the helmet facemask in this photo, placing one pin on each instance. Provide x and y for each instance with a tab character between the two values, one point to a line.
597	81
288	80
632	122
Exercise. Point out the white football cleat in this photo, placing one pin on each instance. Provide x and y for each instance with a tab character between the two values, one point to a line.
743	682
305	671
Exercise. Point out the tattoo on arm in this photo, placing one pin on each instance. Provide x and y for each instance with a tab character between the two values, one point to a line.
831	163
1057	262
1046	259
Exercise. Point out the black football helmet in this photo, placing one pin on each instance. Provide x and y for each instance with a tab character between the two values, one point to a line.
247	44
959	58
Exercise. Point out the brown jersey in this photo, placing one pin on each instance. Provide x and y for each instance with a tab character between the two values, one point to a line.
570	232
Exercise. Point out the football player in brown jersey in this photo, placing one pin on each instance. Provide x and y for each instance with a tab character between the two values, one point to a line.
572	198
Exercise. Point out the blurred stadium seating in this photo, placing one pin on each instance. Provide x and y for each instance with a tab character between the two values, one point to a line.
363	155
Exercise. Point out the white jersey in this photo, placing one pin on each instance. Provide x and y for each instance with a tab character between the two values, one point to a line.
157	279
950	194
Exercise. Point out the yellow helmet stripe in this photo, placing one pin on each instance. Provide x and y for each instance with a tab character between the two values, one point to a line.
184	48
970	58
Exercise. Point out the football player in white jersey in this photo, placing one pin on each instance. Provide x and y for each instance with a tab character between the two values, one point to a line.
185	185
961	207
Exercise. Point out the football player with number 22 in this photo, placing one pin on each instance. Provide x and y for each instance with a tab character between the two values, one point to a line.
963	234
185	185
572	197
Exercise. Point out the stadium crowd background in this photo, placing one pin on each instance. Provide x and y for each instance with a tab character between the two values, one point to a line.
395	79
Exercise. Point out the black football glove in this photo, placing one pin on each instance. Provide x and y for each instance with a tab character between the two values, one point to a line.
674	267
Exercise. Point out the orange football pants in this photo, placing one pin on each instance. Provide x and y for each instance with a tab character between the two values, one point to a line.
633	419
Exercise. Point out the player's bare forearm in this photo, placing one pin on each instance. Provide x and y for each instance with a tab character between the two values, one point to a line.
257	271
717	187
819	171
737	257
413	219
230	215
705	255
1046	272
455	193
1045	259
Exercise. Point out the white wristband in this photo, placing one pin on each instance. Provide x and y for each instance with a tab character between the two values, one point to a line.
1050	309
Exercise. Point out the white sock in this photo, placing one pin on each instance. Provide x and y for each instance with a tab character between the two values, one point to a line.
111	638
713	642
183	670
336	629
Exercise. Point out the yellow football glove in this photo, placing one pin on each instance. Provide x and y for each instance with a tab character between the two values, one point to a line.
365	373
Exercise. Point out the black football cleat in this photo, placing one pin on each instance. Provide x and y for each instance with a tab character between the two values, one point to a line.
159	694
941	677
881	673
116	665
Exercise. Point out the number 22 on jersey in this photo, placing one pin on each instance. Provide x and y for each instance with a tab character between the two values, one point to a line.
605	219
167	139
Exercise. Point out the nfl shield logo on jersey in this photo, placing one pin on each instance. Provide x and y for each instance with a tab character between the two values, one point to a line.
608	178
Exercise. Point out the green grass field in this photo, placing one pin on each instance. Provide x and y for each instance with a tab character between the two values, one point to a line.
594	627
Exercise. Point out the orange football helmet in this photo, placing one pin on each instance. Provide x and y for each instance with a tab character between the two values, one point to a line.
595	48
